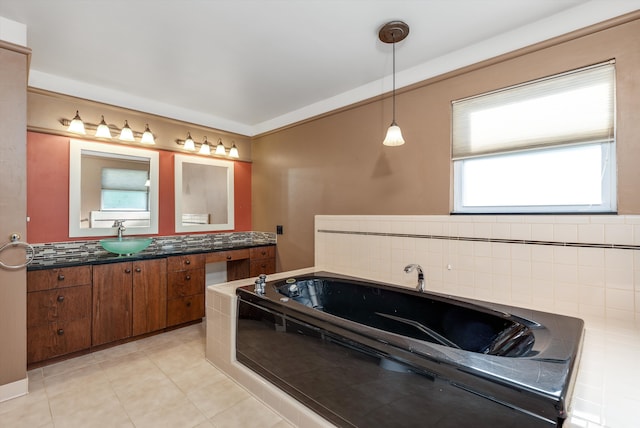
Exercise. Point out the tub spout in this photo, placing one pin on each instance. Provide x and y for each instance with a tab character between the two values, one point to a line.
410	268
259	284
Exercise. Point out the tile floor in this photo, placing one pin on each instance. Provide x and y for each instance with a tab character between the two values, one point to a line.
160	381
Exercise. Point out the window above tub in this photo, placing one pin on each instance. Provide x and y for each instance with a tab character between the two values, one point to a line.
544	146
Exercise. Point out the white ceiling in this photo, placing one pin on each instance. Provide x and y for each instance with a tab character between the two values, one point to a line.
250	66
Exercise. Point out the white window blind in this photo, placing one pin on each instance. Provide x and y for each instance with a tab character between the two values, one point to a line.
124	190
539	147
576	107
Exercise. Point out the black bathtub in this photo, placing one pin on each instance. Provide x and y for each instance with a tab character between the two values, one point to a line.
365	354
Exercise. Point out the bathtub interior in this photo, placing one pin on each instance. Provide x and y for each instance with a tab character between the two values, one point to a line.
428	318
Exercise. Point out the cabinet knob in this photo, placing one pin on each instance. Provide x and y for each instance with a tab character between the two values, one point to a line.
228	257
187	262
264	253
127	270
60	332
187	277
60	277
138	269
60	299
188	304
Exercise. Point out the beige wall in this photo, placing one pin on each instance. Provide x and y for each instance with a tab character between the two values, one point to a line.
13	182
336	164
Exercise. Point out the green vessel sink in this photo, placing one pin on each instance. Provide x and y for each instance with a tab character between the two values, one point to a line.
125	246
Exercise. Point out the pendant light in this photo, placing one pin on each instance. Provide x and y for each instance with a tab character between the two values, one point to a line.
393	32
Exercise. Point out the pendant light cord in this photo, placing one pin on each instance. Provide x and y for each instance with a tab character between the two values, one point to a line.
393	93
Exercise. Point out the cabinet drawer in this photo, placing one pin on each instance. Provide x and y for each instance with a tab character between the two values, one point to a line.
47	279
185	309
63	304
57	338
266	266
192	261
266	252
222	256
185	283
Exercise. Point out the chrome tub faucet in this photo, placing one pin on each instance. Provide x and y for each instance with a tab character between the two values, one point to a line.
409	268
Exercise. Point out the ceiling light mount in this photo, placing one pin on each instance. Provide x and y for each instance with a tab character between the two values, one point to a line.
393	32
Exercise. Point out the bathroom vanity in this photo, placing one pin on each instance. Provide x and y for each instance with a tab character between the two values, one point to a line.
80	307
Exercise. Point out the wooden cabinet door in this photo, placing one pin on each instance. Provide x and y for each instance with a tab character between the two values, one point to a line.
58	322
112	302
185	309
149	296
186	283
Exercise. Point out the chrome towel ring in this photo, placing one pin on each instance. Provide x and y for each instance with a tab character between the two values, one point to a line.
16	242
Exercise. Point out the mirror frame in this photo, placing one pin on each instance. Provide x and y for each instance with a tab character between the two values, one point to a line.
230	224
75	189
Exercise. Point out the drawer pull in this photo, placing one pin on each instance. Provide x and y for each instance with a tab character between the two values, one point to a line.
60	277
127	270
187	262
60	299
60	332
228	257
187	277
138	269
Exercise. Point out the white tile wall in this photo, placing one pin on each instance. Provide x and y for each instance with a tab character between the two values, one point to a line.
562	276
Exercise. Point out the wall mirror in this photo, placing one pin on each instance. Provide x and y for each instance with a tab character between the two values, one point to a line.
108	182
204	194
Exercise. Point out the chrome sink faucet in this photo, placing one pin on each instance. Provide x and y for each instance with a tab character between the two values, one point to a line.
120	225
410	268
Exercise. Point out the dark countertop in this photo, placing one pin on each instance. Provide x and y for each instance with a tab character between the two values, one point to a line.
153	252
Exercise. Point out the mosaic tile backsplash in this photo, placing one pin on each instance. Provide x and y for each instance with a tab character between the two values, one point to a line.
71	252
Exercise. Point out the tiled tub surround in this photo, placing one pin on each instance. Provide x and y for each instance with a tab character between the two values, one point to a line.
584	266
220	351
558	273
77	252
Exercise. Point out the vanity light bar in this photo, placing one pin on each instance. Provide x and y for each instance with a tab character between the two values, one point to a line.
205	147
106	131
